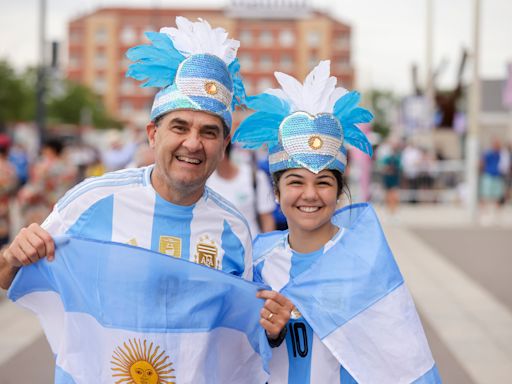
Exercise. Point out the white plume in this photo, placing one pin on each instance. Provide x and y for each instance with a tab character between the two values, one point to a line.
318	93
192	38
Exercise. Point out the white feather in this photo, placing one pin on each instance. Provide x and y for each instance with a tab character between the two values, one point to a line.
337	94
192	38
292	89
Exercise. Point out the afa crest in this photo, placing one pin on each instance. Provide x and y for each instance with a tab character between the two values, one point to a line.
207	253
140	363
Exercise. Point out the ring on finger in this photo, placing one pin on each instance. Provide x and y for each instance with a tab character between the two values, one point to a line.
270	316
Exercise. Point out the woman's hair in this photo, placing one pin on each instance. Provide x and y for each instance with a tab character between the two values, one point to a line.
340	180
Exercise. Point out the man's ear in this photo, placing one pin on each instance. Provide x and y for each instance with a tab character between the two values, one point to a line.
151	131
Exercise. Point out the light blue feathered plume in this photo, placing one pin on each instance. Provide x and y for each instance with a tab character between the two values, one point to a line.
239	96
258	129
157	63
349	114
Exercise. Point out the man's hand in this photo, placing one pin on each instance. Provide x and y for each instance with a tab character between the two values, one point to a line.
275	313
30	245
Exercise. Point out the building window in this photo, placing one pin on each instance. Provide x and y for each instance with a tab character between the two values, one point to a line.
127	87
75	61
266	38
246	61
286	38
342	64
312	61
100	60
100	85
75	36
342	41
245	37
264	83
128	35
286	62
313	39
126	108
266	63
101	35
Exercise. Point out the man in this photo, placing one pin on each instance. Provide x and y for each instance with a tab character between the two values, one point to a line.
165	207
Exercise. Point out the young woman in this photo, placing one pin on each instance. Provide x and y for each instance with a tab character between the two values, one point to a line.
338	302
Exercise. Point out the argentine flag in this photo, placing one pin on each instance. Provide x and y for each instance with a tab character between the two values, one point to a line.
114	313
355	300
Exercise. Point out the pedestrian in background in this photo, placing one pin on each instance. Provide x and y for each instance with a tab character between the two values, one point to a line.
8	183
248	189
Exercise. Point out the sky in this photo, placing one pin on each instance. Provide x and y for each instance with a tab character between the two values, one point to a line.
388	36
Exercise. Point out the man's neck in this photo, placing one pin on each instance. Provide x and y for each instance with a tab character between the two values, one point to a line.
175	195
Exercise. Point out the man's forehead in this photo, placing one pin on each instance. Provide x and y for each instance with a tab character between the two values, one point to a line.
193	117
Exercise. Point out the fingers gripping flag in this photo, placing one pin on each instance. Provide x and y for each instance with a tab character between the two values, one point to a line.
113	313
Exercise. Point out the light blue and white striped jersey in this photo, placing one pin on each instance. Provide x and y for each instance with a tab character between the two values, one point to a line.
355	320
302	358
123	207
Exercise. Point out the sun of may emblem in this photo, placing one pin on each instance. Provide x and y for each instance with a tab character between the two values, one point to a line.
138	363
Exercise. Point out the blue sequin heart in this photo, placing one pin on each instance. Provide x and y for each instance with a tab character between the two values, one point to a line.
311	141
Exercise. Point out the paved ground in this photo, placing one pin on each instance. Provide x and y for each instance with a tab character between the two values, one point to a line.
457	272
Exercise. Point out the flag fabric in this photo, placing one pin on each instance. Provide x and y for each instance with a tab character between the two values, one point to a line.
114	313
356	302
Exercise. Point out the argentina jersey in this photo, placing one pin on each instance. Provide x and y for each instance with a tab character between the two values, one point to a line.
302	358
123	207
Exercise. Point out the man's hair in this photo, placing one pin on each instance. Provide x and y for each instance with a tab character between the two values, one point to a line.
225	129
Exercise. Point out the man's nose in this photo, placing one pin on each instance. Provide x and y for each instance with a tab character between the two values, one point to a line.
193	142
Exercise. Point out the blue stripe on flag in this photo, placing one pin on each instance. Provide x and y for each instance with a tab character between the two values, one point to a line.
62	377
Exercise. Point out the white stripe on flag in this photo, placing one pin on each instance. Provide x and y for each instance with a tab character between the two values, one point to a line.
407	355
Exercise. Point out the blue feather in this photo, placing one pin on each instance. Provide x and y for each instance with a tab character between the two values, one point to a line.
238	85
157	75
164	42
355	137
148	53
346	103
258	129
358	115
266	102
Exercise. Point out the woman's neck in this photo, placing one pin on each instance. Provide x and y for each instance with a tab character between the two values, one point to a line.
306	241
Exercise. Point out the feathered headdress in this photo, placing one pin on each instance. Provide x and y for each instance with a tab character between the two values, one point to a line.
305	125
194	64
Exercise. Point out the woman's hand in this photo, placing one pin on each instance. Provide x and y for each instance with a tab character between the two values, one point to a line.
275	313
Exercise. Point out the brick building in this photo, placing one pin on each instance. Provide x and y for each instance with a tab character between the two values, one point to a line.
281	35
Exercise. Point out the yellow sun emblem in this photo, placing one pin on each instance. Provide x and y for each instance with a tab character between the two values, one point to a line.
137	363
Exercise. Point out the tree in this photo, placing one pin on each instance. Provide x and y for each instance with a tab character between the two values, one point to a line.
17	99
77	101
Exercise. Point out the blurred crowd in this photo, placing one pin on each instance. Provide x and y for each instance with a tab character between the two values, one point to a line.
411	173
404	171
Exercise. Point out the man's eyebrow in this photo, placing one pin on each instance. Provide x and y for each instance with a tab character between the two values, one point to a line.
211	127
178	120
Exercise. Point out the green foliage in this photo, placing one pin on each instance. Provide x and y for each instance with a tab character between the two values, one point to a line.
383	105
17	96
77	104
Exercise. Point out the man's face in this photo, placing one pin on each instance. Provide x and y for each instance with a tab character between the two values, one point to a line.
188	146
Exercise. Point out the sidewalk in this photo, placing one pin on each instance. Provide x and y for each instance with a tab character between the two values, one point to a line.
471	323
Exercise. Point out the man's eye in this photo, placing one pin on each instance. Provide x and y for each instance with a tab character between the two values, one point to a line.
210	134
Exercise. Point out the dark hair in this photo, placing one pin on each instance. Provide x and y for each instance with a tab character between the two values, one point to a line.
342	185
225	129
55	144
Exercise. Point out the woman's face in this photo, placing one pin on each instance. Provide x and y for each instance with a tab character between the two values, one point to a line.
308	200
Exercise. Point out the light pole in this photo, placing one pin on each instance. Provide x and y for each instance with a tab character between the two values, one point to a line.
472	139
41	75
